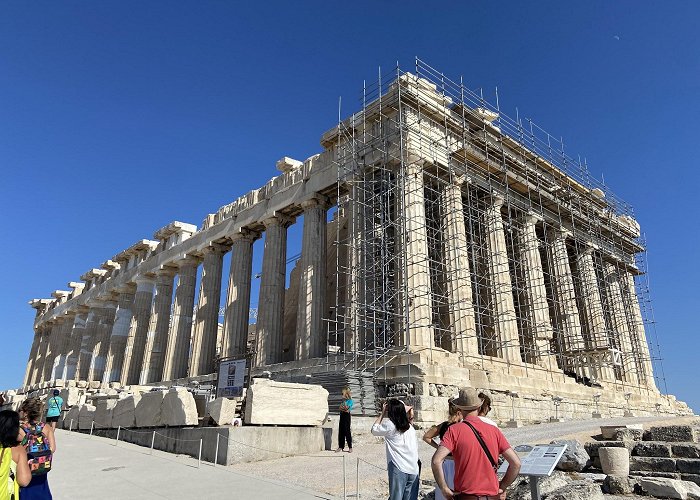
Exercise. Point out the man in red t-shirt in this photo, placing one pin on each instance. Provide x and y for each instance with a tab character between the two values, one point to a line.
475	478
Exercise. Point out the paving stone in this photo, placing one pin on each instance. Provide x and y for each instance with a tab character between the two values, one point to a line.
653	464
578	490
688	465
651	449
686	450
673	433
575	458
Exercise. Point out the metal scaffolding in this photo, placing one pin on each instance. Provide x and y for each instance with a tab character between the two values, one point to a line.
460	224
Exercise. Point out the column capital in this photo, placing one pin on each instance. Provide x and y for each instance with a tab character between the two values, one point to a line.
587	248
69	313
414	159
144	280
495	198
558	232
214	248
461	179
531	217
166	270
244	234
315	201
278	220
125	288
188	261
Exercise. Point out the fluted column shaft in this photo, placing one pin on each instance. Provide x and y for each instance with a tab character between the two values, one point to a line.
237	314
138	329
33	355
419	333
310	339
618	318
181	328
207	323
593	307
537	324
500	290
76	340
87	343
119	335
51	348
645	369
64	346
38	370
458	272
271	301
159	325
101	347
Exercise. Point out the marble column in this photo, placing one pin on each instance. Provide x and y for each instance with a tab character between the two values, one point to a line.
181	328
500	289
51	348
101	347
71	372
157	339
593	309
119	334
537	323
458	272
207	322
44	330
63	346
645	370
268	348
237	314
419	333
87	343
618	317
33	356
134	353
565	306
311	338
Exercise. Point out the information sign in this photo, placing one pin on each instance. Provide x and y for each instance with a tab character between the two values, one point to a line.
540	461
231	378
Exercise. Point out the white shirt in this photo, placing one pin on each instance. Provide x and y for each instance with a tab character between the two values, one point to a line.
487	420
401	447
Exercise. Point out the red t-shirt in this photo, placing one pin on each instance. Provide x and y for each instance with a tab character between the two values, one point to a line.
473	472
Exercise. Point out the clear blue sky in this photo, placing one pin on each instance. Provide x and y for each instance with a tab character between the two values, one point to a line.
119	117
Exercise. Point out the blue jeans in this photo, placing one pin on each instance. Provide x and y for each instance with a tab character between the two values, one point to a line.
402	486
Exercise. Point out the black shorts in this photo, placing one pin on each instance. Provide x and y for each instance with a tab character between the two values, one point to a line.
52	419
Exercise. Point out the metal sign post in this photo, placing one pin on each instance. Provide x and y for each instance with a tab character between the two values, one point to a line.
232	377
540	462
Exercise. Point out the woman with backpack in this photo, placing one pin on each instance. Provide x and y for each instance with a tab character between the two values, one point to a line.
394	424
13	458
39	441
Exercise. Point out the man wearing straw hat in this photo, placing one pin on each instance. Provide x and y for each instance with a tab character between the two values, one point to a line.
475	447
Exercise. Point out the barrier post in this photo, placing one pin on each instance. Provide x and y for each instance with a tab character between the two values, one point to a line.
357	480
216	453
117	440
199	463
92	426
70	429
345	485
153	440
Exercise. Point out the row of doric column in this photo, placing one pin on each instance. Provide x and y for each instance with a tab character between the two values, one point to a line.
591	309
138	333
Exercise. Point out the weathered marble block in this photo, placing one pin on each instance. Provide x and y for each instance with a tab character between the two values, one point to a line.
149	409
73	415
179	408
124	413
86	417
104	411
70	396
266	399
223	411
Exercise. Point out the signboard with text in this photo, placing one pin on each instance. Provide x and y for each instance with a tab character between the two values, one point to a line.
232	376
540	461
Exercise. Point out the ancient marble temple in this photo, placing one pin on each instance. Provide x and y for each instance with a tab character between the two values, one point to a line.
443	244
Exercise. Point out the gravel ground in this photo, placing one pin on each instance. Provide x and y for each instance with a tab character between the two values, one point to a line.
323	471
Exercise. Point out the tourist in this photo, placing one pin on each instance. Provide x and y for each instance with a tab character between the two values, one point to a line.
401	449
344	425
485	409
14	469
54	406
39	441
438	431
475	447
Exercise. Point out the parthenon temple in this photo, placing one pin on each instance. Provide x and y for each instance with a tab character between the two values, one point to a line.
443	244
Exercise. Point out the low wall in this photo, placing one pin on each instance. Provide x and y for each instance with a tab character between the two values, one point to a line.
236	444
